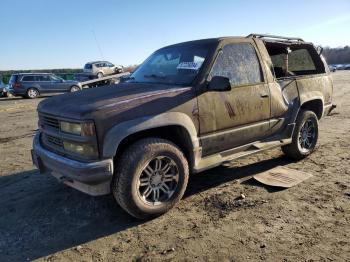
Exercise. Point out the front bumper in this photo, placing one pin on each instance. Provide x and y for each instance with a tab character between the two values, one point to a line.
93	178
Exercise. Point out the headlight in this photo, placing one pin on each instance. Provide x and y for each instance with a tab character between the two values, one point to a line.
83	150
81	129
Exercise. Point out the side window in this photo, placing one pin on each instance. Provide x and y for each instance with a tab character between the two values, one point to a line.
300	60
28	78
239	63
43	78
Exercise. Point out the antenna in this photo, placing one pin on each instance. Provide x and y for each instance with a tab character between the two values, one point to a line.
98	45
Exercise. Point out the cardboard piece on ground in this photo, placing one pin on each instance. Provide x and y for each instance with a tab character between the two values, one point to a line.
282	177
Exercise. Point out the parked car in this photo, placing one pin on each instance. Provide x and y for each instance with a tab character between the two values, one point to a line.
332	68
102	68
347	67
189	107
32	85
2	88
340	67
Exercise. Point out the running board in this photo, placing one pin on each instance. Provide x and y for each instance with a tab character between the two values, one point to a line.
236	153
254	149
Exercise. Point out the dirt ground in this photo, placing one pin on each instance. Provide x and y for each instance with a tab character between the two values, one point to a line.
42	219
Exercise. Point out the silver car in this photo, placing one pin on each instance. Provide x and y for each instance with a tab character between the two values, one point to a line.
102	68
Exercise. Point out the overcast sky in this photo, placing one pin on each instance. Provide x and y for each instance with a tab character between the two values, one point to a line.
42	34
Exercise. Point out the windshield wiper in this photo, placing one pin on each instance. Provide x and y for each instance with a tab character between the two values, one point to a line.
154	76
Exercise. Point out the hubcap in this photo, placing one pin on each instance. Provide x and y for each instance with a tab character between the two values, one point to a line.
307	135
158	180
32	93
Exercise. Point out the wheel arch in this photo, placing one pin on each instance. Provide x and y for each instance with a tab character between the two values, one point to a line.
174	126
315	105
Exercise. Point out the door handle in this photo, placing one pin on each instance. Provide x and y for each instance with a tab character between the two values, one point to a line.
264	95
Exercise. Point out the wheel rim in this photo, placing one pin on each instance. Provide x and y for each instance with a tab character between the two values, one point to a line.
158	181
32	93
74	89
307	135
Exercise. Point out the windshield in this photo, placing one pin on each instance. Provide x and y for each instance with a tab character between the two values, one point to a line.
174	65
88	66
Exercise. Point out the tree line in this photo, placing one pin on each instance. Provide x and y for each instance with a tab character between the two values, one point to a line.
339	55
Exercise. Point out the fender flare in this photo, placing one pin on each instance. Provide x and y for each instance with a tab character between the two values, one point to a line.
312	96
122	130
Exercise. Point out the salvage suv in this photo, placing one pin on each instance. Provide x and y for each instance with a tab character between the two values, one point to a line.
189	107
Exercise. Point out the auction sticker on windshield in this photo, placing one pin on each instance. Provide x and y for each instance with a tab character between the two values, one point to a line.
189	65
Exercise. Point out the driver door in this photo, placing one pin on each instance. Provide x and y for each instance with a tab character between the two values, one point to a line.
241	115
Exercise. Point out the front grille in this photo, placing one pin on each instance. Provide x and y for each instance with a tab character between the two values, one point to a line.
52	141
49	121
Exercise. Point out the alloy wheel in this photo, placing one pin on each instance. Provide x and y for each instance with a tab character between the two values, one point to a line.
158	180
307	135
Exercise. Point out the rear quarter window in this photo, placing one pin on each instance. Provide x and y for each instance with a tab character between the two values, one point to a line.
13	79
88	66
300	60
28	78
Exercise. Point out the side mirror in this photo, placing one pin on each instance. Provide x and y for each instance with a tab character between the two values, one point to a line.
219	83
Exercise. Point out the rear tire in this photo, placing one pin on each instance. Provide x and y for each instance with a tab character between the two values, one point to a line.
32	93
100	75
150	178
305	136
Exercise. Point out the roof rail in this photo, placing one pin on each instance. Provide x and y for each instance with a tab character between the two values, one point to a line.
285	38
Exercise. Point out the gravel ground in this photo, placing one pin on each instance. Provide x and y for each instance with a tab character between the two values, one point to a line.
42	219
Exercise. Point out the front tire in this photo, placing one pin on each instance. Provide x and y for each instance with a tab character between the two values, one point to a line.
32	93
151	177
305	136
74	89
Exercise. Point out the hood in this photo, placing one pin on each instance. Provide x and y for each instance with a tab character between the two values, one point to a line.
84	104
